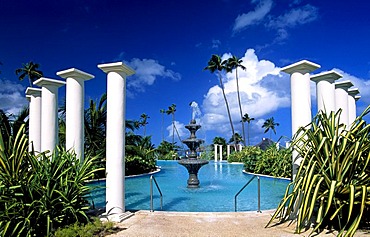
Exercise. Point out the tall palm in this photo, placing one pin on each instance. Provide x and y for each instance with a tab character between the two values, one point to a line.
235	63
162	111
269	125
215	64
238	138
247	119
144	121
172	110
29	70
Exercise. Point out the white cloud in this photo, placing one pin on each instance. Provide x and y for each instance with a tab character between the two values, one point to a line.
296	16
263	90
181	131
147	71
12	97
216	43
253	17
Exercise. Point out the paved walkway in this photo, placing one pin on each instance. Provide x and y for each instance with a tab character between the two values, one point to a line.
170	224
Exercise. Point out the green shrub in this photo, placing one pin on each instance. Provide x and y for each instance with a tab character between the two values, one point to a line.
332	185
274	162
139	165
40	193
94	228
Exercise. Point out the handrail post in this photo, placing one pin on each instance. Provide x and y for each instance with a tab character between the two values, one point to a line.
151	193
259	194
236	195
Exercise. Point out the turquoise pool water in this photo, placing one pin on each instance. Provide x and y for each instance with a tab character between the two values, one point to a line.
219	182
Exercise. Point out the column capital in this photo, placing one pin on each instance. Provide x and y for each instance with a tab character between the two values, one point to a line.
329	76
357	97
43	81
343	85
30	91
353	92
116	67
75	73
303	67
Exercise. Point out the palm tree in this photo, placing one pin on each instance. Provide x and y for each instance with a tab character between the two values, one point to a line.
247	119
235	63
219	141
172	110
238	138
162	111
215	64
270	124
30	70
144	117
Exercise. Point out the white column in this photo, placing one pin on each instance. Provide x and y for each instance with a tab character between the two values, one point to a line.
228	150
34	119
215	147
352	93
49	116
325	90
341	100
220	152
115	137
300	99
75	94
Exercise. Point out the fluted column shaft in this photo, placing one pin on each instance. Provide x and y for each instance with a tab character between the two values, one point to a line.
34	119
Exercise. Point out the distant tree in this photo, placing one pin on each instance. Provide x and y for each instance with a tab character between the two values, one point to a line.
215	64
235	63
144	121
162	111
219	141
29	70
238	138
269	125
172	110
247	119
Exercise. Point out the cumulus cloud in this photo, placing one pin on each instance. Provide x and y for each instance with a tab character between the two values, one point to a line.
253	17
216	43
147	71
12	97
263	90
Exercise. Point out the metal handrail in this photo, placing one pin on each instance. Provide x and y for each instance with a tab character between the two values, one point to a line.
259	192
151	192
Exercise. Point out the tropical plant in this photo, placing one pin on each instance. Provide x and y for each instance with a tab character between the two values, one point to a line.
248	155
269	125
144	121
238	138
40	193
29	70
234	63
247	119
215	64
10	124
167	151
171	110
331	187
219	141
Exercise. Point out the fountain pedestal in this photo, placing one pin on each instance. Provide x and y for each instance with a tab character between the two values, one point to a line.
192	163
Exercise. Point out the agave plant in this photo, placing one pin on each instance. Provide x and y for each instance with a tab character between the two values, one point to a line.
40	193
332	185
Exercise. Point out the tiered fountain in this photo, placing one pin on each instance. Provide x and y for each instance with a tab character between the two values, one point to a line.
192	163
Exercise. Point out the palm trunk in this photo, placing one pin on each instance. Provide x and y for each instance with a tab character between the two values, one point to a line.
173	128
227	107
240	104
248	135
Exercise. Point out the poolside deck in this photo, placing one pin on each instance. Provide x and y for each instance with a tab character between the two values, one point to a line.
163	224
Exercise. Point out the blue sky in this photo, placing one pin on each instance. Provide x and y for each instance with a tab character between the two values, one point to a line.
169	43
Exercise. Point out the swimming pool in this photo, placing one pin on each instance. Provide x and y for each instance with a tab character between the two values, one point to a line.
219	182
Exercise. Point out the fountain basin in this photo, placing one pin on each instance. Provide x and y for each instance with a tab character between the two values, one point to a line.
193	166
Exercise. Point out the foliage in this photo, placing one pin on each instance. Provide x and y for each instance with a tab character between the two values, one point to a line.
40	193
140	155
332	185
248	155
269	125
216	64
167	151
29	70
94	228
219	141
238	138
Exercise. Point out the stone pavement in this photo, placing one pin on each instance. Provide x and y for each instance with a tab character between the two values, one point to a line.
208	224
